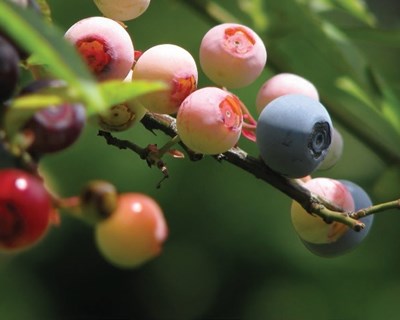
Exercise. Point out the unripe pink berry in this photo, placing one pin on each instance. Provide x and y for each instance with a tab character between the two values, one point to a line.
232	55
105	46
282	84
173	65
210	120
312	228
134	233
122	10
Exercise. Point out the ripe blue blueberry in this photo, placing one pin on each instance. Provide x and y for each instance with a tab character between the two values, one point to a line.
350	239
294	134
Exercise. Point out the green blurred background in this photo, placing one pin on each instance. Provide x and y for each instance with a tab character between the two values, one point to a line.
232	252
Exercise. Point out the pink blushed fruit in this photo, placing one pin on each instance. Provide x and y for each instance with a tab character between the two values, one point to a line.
282	84
173	65
134	233
105	46
232	55
210	120
313	229
122	10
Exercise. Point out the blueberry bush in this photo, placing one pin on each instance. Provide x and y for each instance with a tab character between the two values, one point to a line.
178	159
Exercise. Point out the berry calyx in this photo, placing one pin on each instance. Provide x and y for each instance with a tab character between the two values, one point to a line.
238	40
105	46
98	200
95	53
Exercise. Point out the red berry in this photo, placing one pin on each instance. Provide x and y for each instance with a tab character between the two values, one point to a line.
134	233
25	209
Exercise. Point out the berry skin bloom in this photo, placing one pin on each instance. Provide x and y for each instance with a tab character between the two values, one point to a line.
173	65
294	135
232	55
134	233
105	46
25	210
210	120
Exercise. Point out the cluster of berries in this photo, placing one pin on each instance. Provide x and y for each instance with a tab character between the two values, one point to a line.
294	133
129	228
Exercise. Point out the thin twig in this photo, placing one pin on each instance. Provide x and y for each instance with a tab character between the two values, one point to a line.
238	157
395	204
123	144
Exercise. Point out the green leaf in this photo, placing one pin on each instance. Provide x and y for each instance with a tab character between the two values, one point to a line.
254	8
116	92
358	9
389	38
22	108
45	9
35	102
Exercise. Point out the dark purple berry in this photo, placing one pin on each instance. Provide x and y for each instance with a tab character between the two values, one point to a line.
9	69
56	127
